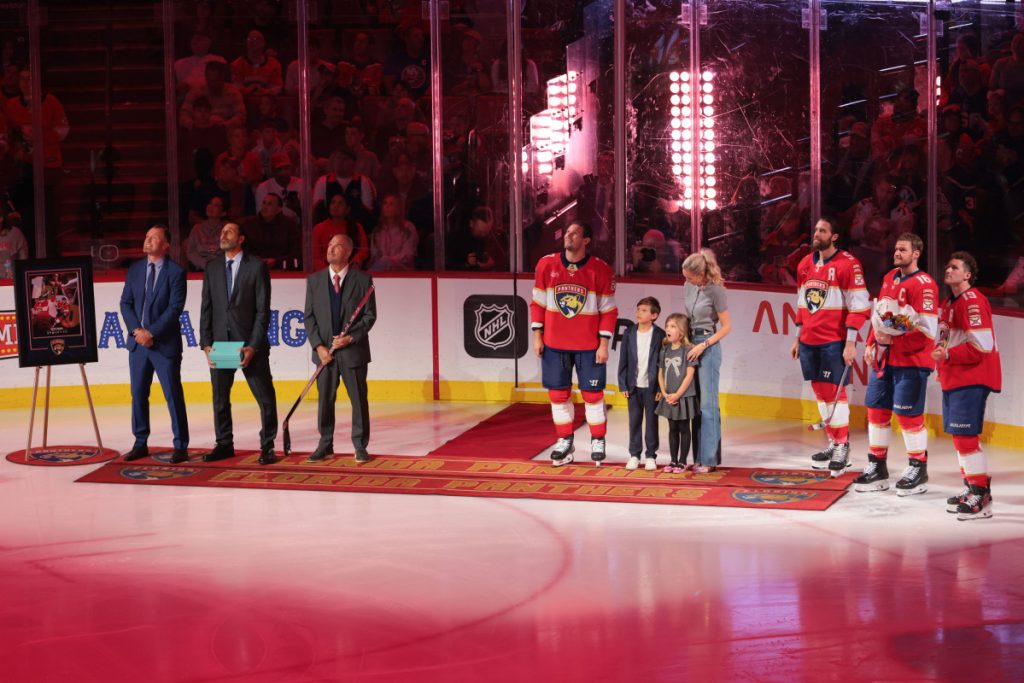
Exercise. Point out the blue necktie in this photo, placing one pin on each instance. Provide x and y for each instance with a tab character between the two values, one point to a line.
150	282
230	283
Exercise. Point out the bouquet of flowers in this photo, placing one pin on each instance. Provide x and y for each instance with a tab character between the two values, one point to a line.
888	317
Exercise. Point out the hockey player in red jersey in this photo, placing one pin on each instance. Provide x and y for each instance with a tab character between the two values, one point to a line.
901	361
969	370
573	318
832	305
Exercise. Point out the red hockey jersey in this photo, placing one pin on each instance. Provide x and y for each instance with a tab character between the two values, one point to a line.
965	323
918	291
574	303
831	297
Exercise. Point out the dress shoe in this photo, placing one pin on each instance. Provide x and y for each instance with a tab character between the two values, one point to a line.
179	456
136	453
220	452
362	456
267	456
320	454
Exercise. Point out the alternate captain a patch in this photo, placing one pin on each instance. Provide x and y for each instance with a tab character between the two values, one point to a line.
570	299
815	292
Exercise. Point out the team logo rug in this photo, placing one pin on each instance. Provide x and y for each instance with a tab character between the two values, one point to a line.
62	456
432	482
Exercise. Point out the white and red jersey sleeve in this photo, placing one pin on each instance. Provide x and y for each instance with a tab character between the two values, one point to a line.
965	323
574	304
831	297
918	291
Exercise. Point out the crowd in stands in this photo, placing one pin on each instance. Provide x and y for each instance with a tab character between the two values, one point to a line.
369	77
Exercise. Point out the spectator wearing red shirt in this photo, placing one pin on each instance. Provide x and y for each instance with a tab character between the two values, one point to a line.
338	223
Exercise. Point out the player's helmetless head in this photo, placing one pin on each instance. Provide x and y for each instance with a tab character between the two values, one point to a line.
907	251
575	238
824	235
339	251
961	270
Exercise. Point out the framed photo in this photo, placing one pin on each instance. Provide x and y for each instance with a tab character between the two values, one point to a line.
55	307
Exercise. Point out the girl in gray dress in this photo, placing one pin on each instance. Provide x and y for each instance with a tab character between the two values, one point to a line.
679	403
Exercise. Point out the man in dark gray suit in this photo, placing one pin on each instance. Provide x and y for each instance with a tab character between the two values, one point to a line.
236	307
332	294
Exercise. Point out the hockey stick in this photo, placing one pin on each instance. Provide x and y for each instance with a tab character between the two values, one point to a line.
287	439
828	419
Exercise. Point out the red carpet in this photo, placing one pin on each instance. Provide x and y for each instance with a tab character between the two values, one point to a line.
583	472
519	432
796	490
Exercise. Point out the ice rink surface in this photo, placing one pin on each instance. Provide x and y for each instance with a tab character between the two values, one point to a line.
144	583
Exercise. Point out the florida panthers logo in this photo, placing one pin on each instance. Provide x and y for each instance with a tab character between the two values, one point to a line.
57	346
570	299
143	473
786	478
815	293
771	497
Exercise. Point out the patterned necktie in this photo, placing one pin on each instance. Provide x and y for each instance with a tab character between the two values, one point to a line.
337	283
230	283
150	282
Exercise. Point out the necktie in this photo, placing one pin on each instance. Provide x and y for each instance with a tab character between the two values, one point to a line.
150	282
230	283
337	283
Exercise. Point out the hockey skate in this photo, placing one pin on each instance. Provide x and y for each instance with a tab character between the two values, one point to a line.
875	477
820	460
562	453
953	502
597	450
840	459
977	504
914	479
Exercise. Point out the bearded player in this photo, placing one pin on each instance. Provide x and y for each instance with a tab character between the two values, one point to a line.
832	304
573	318
969	370
899	377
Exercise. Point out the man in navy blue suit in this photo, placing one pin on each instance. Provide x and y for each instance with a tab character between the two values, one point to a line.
638	381
151	305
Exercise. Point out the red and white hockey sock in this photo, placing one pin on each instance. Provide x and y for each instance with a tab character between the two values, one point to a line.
593	402
563	412
838	429
879	432
915	436
973	461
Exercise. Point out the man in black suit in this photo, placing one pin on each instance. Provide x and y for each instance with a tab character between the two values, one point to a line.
236	307
332	294
151	305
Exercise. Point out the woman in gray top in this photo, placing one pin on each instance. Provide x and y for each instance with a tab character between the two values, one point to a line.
704	301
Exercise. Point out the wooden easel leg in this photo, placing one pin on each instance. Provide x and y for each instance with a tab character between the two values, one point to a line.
46	407
92	410
32	416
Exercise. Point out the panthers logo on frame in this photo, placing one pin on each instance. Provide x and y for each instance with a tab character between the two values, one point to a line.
570	299
815	293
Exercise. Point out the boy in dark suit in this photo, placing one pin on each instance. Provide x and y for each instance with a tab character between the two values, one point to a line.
638	381
236	307
151	305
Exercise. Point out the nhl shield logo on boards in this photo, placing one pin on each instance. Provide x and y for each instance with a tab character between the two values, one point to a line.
494	327
570	299
815	293
57	346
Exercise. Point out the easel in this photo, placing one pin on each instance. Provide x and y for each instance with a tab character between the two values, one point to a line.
46	411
